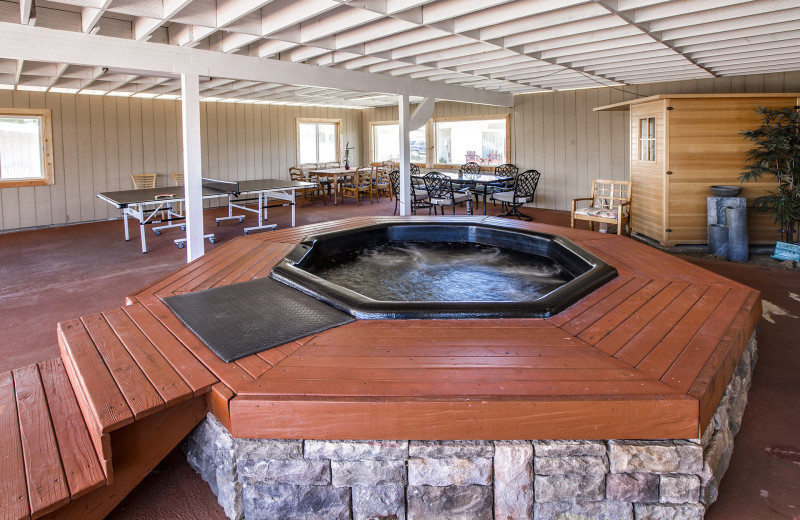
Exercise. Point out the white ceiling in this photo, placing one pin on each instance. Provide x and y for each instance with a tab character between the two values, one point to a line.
502	46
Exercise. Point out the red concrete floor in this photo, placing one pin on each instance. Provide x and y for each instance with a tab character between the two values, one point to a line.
50	275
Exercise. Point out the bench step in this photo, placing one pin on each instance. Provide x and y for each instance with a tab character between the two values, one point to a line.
48	455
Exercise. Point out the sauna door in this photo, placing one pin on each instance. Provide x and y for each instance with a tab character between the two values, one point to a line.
648	143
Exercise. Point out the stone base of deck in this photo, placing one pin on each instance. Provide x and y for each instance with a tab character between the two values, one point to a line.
541	479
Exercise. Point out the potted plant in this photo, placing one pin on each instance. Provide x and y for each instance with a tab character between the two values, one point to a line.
777	153
347	149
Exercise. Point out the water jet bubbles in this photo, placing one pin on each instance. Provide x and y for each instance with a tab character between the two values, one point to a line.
446	272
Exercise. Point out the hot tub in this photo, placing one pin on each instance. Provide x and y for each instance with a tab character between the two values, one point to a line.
425	270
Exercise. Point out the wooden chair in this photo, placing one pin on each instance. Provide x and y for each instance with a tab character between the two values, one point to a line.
143	181
610	204
360	184
381	182
177	178
317	192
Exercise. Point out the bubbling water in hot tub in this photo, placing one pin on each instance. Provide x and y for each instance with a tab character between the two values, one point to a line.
442	272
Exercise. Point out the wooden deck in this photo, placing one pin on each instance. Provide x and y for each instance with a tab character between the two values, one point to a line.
646	356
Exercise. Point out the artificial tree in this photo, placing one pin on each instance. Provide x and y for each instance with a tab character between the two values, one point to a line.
777	153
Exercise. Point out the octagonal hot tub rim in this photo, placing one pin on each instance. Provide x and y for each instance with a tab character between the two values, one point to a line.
290	272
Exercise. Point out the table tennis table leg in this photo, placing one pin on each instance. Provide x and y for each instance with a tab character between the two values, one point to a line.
293	205
136	212
125	223
144	240
262	208
262	214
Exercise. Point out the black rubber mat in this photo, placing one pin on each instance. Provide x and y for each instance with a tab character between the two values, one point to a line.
237	320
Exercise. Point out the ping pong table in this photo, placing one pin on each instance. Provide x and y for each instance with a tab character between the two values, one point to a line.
158	205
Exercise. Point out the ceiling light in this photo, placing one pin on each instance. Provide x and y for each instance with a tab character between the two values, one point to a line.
62	90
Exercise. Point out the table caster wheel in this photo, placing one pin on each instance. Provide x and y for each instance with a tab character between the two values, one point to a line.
180	245
157	232
241	220
183	227
211	240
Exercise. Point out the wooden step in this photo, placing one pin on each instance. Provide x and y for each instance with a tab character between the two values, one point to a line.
47	452
120	376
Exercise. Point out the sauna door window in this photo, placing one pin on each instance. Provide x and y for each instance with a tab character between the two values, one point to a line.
647	139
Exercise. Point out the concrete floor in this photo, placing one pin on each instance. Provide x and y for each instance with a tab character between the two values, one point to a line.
53	274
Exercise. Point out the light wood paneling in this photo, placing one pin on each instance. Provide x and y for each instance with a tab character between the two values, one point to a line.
647	202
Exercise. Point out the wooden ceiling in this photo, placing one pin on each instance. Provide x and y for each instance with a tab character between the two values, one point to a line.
501	46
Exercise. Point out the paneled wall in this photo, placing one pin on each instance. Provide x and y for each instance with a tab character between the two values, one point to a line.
559	134
100	141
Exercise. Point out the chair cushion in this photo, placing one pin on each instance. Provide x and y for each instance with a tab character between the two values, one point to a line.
599	212
420	194
508	196
458	198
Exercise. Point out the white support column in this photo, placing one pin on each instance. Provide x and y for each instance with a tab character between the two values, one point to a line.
405	156
192	166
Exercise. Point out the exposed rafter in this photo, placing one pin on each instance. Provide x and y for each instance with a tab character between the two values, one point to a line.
644	26
443	46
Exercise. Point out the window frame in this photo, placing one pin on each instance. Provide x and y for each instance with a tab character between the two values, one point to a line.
46	137
647	139
319	120
373	124
433	129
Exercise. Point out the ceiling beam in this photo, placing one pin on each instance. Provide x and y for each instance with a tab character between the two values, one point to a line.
611	6
27	12
91	15
40	44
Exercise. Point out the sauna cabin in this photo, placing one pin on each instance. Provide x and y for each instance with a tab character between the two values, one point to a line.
680	144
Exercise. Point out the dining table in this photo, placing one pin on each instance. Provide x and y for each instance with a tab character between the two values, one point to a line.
466	180
334	174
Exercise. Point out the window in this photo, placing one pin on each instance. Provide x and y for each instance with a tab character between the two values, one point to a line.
482	140
317	140
386	143
647	139
26	148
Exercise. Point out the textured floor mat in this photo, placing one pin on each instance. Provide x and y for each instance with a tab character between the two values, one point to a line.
237	320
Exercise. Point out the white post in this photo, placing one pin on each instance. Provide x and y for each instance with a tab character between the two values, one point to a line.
405	156
192	166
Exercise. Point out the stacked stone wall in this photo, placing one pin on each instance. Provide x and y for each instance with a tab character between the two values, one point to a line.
258	479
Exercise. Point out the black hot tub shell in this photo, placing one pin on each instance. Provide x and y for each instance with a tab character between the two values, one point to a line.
587	271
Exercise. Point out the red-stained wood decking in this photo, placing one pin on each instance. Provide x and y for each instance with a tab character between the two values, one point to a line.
48	456
81	432
646	356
